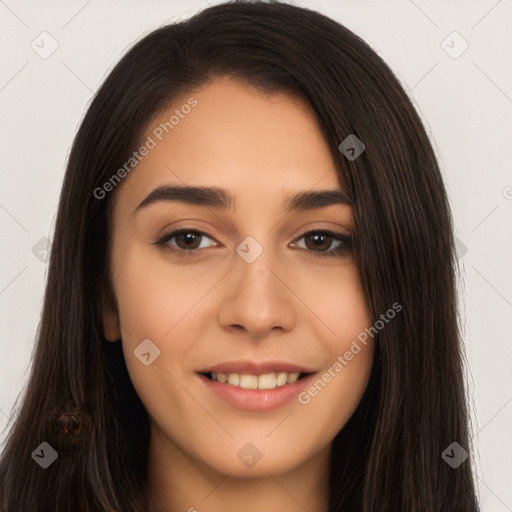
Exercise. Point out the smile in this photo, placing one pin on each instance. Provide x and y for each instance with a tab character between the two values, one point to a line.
251	381
256	386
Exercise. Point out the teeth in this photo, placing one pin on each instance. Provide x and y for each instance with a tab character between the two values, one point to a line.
265	381
292	377
281	379
248	381
234	379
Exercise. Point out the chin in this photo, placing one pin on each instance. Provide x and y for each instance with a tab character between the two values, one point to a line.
241	460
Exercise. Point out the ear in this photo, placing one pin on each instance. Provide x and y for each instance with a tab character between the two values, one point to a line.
109	315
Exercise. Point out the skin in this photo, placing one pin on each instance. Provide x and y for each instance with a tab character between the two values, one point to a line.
289	304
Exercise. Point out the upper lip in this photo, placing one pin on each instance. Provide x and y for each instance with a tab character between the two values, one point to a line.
255	367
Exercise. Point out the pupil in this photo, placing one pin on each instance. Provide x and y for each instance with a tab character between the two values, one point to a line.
318	240
189	237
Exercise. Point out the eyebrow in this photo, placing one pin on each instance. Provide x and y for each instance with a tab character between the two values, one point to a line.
220	198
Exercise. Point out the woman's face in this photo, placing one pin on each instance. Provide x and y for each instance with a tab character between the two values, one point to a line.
241	294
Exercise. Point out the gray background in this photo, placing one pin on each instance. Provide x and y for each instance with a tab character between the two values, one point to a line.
465	103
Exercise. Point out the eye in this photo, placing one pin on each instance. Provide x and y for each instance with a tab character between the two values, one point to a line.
188	243
324	239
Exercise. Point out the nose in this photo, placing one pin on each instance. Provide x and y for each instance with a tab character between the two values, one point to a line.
258	297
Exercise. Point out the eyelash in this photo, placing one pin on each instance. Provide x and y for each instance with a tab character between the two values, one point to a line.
340	251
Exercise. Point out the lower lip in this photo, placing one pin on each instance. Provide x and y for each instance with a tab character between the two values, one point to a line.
258	400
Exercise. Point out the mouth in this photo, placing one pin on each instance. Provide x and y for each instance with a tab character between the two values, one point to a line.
265	381
256	386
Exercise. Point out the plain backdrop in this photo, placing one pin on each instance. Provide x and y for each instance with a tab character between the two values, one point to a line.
463	97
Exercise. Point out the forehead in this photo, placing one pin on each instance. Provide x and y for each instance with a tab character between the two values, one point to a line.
234	137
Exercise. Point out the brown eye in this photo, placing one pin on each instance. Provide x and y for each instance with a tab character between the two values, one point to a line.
187	242
318	241
190	239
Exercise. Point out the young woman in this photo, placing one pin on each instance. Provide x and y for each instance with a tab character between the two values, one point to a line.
251	298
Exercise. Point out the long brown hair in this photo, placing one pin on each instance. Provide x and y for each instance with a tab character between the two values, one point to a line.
79	398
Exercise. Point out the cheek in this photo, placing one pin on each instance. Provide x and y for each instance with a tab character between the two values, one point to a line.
161	302
330	401
152	294
336	298
334	395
